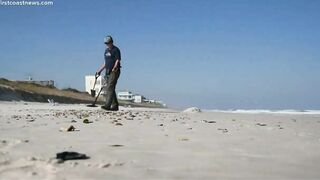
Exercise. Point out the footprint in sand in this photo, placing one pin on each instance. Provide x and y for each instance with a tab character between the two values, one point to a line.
6	144
224	130
183	139
30	167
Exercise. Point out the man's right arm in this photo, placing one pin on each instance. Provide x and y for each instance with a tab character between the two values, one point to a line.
101	69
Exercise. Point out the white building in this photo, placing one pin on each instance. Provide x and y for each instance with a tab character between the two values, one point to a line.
125	95
138	98
129	96
90	82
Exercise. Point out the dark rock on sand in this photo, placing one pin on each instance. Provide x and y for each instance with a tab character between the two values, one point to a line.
66	155
116	145
261	124
119	124
206	121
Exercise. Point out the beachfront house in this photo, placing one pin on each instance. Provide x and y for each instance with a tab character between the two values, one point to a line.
129	96
125	95
137	98
89	82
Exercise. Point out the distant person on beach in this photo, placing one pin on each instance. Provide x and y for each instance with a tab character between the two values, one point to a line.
112	57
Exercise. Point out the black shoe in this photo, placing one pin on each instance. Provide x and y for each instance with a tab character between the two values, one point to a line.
110	109
105	108
114	109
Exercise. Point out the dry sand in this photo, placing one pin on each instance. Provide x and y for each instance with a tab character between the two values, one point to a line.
137	143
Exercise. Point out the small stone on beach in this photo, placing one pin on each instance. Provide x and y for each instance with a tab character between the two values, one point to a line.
119	124
206	121
261	124
69	129
86	121
116	145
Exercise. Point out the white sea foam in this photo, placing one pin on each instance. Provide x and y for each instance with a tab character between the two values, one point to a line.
257	111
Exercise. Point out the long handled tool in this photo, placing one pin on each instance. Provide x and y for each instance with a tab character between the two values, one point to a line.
93	90
94	103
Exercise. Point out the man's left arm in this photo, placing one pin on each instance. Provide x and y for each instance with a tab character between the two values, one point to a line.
118	58
115	65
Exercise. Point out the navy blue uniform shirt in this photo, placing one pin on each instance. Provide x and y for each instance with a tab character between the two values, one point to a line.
110	57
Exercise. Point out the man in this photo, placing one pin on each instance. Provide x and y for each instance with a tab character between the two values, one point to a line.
112	57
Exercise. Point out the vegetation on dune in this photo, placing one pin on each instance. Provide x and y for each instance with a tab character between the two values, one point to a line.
44	90
35	92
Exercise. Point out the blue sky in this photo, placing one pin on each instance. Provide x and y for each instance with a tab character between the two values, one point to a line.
212	54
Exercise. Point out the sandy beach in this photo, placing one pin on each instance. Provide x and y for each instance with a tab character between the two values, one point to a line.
142	143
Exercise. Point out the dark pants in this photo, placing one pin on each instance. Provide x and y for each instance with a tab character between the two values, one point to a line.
111	96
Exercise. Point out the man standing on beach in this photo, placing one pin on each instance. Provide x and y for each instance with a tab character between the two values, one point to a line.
112	57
